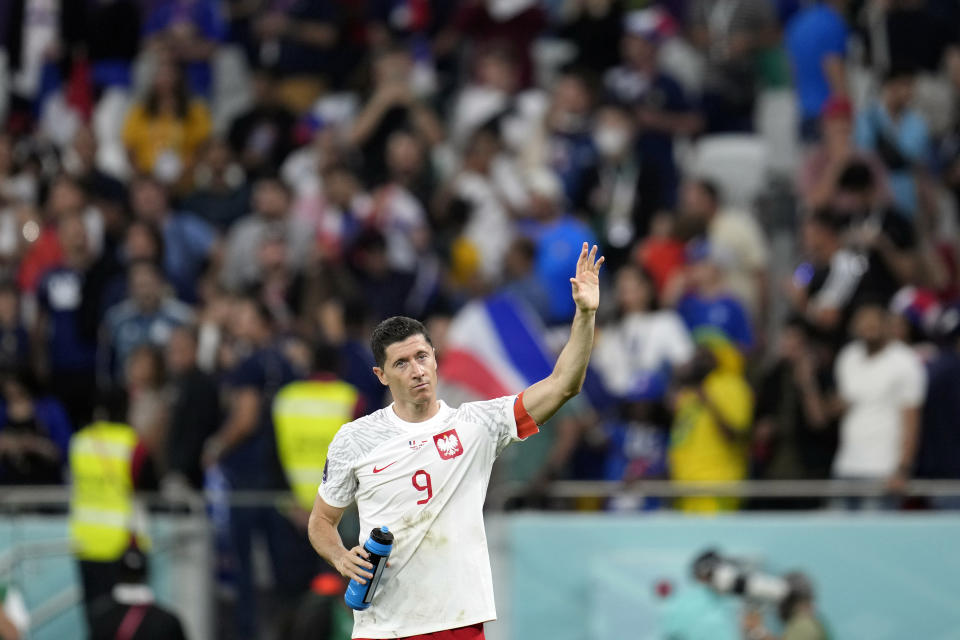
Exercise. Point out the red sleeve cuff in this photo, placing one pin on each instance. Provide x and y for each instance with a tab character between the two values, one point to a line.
526	426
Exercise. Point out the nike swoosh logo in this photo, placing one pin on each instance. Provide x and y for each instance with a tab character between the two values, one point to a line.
375	470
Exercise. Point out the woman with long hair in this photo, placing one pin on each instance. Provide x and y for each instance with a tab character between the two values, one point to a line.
165	128
644	343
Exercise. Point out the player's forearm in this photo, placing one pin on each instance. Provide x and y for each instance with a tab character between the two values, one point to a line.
325	538
571	367
543	399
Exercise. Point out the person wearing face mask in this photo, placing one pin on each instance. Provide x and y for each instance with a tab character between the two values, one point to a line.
881	385
621	191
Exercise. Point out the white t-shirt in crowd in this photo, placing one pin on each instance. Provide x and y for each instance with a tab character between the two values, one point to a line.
876	389
427	482
640	344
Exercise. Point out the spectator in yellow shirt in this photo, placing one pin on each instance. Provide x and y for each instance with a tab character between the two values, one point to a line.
713	410
164	130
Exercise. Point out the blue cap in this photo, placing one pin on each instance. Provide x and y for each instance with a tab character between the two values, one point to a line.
384	529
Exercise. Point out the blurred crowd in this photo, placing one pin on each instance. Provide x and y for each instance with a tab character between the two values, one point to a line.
187	185
202	201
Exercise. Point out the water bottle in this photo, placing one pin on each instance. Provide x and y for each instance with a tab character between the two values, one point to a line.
378	545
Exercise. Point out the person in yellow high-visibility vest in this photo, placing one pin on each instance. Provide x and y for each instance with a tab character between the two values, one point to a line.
306	416
105	463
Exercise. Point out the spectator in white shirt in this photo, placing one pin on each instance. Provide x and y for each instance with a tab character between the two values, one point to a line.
881	383
644	343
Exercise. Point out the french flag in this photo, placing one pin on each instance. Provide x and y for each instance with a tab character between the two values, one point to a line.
495	348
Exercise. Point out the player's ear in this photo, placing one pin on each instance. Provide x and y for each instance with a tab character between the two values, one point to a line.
377	371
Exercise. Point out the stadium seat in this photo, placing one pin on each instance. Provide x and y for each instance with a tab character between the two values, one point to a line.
738	163
776	120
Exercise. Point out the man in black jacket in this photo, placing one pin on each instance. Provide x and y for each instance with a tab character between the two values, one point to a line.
195	408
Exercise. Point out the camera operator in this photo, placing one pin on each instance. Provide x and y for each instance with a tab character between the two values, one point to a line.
796	610
701	611
713	410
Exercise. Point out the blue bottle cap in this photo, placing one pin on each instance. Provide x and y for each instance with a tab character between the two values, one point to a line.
384	529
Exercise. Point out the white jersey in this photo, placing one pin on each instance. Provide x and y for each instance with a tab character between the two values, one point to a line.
427	482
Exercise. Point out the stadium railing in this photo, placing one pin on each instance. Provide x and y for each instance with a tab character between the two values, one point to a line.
500	495
17	499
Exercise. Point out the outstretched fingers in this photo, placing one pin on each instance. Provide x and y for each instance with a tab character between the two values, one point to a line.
596	267
582	260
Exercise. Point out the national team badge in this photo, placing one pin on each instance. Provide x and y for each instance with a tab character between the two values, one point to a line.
448	444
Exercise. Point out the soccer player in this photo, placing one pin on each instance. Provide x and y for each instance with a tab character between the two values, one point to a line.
421	468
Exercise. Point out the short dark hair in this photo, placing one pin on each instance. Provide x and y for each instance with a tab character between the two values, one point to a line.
264	314
326	358
395	329
273	179
827	219
905	70
856	177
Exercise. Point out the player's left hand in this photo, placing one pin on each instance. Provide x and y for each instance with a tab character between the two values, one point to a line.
586	284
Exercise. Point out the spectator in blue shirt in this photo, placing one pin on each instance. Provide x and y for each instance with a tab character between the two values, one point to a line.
816	41
67	357
702	300
662	109
190	244
638	437
245	449
569	145
559	238
190	30
898	134
148	315
938	454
